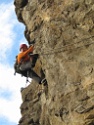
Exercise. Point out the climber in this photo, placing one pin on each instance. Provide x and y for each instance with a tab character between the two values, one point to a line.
25	62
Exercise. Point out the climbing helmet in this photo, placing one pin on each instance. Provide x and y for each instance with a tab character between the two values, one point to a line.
23	46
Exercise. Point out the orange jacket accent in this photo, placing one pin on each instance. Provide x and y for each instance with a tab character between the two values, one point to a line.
23	56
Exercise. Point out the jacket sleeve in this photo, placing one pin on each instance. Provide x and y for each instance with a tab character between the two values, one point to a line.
23	54
30	49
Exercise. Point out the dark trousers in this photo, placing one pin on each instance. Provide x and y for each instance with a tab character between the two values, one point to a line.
26	68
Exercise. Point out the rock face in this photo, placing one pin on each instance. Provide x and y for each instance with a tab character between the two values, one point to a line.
64	37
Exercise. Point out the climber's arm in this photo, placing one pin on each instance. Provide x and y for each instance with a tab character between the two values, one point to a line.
24	54
30	49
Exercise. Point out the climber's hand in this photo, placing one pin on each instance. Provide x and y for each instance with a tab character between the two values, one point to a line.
32	42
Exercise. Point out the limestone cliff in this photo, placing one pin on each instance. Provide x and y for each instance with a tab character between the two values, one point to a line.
64	37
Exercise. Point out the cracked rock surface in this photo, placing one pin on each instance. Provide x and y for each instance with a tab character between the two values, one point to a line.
63	31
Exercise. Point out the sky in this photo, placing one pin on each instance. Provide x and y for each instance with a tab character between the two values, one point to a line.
11	36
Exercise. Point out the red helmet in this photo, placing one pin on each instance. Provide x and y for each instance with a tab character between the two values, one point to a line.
23	46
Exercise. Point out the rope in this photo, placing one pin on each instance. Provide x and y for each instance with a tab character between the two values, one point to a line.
58	50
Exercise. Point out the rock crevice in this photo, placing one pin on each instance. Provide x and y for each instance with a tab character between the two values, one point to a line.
63	31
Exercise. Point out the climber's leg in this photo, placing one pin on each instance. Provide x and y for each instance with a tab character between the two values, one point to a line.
26	67
37	78
34	76
42	73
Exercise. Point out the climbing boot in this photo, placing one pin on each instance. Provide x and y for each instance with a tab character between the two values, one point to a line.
44	82
45	87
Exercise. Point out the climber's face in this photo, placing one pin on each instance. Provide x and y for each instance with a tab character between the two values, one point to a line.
24	49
